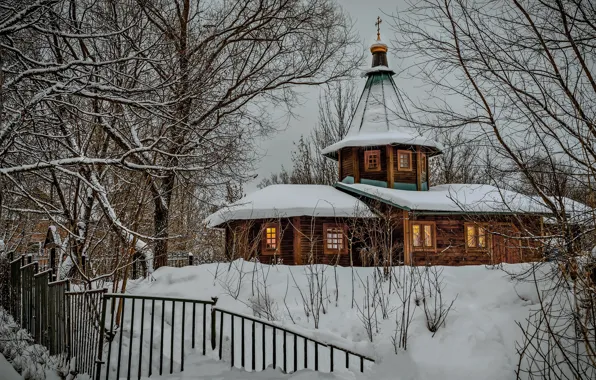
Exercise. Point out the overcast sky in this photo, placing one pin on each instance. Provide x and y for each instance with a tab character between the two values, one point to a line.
277	148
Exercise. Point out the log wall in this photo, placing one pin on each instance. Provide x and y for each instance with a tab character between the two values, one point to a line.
451	241
302	241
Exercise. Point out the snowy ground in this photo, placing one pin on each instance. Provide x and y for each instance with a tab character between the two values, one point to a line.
209	369
7	372
477	341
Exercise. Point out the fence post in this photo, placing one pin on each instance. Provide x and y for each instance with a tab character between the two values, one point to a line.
190	258
102	325
213	326
53	263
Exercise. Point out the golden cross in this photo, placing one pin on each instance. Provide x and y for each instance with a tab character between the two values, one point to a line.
378	24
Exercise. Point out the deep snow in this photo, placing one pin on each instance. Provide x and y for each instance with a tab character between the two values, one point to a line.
477	341
7	372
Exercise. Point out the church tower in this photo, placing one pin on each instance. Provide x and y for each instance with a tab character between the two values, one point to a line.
380	148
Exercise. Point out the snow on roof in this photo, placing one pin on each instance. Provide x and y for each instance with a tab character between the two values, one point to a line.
379	117
277	201
376	69
578	213
452	198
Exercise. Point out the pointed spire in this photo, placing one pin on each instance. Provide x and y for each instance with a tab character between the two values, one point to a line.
378	24
378	48
380	118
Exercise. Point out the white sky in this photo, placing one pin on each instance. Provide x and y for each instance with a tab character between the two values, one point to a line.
276	150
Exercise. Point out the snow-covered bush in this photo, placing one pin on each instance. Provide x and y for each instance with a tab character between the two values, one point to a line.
31	360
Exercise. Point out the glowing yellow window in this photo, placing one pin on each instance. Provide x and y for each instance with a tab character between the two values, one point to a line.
475	236
423	236
271	238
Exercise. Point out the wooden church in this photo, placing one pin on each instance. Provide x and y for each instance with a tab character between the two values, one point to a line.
383	209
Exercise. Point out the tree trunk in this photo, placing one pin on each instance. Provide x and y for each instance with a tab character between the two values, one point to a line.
161	222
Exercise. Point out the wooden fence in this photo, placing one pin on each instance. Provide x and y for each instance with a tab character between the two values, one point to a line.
97	333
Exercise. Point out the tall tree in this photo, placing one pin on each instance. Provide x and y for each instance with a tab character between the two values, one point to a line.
524	71
112	109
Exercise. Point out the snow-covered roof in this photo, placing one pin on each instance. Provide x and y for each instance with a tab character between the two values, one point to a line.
376	69
379	118
277	201
452	198
577	213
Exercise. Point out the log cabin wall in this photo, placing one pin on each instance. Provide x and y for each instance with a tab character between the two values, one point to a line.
379	175
451	247
244	239
307	245
405	176
346	164
309	240
352	164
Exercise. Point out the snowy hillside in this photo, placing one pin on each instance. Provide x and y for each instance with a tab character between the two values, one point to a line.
477	340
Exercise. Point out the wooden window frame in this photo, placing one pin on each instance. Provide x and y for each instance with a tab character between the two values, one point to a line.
433	226
477	226
341	226
367	154
399	167
269	251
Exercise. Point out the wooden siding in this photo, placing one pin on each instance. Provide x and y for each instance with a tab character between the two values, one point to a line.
346	164
378	175
405	176
451	241
302	239
311	241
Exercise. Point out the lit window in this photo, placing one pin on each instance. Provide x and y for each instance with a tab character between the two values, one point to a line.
423	235
335	238
417	236
271	238
372	160
475	236
404	160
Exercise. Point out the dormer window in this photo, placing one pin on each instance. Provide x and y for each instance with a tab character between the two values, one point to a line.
404	160
372	160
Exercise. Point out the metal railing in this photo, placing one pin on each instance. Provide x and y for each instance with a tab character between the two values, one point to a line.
28	297
163	328
86	326
58	326
41	315
264	332
15	289
85	329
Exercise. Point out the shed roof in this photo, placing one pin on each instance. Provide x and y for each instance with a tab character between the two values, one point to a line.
453	198
277	201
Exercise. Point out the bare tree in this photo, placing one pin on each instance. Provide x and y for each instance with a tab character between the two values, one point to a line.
154	101
336	107
523	75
